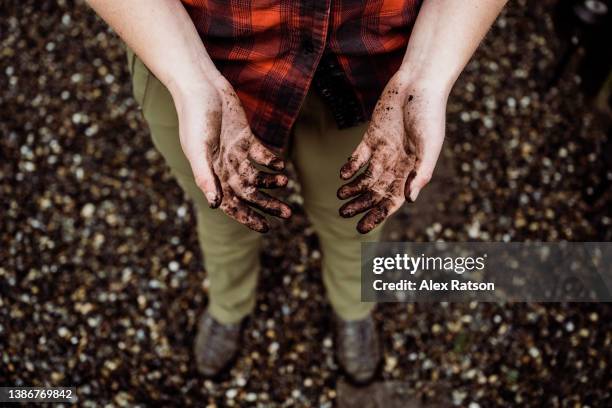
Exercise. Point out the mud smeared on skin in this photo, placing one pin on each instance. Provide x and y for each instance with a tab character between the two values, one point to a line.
268	181
390	149
232	153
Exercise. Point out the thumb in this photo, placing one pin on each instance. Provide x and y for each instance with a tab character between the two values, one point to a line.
199	138
207	181
200	160
424	169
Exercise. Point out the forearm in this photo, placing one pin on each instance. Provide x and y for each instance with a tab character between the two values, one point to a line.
162	34
444	37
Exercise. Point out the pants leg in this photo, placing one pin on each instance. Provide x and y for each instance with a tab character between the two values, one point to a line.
319	150
231	250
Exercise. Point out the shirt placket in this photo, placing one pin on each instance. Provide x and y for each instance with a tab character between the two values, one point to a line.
313	28
333	86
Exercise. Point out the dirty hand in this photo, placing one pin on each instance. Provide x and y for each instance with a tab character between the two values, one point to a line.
221	149
400	148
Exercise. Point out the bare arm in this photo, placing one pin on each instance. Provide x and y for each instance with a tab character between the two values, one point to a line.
403	142
162	34
444	37
214	132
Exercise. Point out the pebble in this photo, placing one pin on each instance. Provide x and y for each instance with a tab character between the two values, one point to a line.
88	210
458	397
390	363
273	348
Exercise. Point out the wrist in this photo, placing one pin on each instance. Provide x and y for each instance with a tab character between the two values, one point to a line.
416	80
195	83
183	92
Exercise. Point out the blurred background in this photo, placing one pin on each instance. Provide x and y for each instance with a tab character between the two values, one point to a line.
101	279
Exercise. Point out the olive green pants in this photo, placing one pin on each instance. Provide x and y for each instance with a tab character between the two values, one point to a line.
231	250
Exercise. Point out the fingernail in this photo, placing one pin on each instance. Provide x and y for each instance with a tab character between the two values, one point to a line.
286	213
413	195
363	229
212	199
282	180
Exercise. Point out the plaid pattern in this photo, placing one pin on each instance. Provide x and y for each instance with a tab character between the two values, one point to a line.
269	50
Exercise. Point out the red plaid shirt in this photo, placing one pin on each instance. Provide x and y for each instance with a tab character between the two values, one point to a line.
271	51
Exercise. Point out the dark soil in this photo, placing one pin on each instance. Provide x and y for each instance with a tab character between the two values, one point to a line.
101	279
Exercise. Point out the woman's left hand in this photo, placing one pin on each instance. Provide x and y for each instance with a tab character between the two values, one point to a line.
400	148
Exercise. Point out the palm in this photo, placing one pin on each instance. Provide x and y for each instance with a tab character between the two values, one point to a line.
400	149
222	150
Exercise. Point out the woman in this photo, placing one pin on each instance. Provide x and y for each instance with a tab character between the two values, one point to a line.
231	88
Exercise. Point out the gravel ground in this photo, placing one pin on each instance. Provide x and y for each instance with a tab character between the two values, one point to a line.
101	280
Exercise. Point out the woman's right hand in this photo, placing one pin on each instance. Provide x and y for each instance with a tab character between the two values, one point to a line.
214	132
218	142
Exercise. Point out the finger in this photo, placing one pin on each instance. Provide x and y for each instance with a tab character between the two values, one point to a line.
206	180
359	204
265	203
357	160
377	215
198	148
241	212
357	186
267	180
248	177
264	156
362	182
425	167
